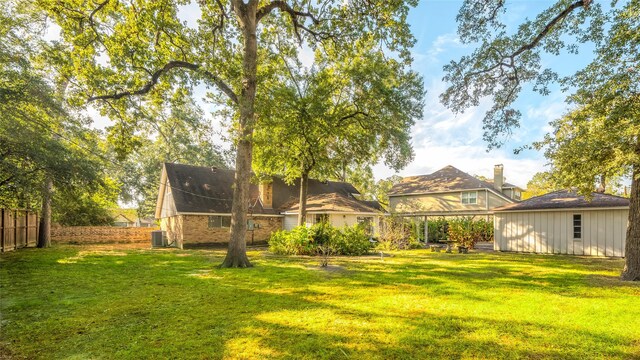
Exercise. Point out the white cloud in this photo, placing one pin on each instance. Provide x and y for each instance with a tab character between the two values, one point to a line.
443	138
472	159
190	13
444	42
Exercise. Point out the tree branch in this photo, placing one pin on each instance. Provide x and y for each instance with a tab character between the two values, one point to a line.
535	41
284	7
158	73
549	26
294	14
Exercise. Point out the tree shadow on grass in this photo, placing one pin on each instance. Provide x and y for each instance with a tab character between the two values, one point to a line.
158	305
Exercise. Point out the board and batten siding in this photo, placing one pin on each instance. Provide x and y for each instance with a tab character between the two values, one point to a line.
551	232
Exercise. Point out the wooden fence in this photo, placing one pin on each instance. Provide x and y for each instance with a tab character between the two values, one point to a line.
18	229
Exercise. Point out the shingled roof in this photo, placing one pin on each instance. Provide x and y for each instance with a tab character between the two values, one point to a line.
446	179
565	199
198	189
334	202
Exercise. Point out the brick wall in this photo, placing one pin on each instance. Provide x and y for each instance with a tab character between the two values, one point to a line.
100	234
194	229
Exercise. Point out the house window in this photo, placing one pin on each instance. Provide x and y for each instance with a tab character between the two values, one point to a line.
470	197
219	221
577	226
517	195
367	223
321	218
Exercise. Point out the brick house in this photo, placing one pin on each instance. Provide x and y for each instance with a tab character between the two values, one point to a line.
194	205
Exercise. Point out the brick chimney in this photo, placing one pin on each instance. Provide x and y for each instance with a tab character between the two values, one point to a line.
266	194
498	177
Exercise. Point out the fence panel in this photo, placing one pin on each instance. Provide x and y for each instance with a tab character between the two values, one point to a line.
18	229
32	229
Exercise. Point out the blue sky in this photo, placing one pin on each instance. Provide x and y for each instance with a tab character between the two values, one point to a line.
442	138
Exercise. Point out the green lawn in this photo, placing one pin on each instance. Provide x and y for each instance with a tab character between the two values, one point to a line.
84	303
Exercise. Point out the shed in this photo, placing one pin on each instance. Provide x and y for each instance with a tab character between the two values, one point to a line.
564	222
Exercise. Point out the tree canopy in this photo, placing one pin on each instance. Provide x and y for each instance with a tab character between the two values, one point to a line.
337	116
598	137
116	51
41	140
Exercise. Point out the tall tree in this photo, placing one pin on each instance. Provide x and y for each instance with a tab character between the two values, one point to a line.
117	50
43	145
337	117
599	137
541	183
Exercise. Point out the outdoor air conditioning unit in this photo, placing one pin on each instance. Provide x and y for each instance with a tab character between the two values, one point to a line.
158	238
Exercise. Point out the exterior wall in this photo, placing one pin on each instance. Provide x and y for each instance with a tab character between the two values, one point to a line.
551	232
496	201
336	220
168	205
512	193
290	221
100	234
173	227
194	229
444	202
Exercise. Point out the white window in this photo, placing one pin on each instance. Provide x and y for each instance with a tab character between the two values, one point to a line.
217	221
470	197
577	226
516	194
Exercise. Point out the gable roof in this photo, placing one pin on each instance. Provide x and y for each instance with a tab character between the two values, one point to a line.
566	199
198	189
122	218
335	202
446	179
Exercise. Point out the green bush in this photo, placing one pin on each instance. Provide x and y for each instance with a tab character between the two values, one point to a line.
320	238
467	231
351	241
295	242
438	229
397	234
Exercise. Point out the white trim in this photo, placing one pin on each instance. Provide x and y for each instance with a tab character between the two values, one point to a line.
566	209
468	198
455	191
573	226
335	213
161	191
440	213
486	199
227	214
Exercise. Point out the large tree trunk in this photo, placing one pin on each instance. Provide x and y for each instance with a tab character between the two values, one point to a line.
44	233
304	184
237	253
631	270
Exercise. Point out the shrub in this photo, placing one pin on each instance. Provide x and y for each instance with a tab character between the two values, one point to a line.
351	241
467	231
396	234
294	242
438	229
320	239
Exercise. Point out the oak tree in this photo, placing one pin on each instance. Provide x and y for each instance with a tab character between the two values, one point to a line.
115	51
335	118
600	134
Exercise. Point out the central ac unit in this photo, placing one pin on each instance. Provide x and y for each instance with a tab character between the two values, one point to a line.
158	238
